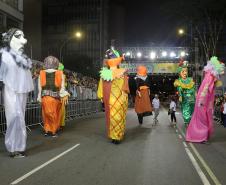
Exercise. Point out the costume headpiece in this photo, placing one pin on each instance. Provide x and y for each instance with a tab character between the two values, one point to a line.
112	58
111	53
142	71
214	66
61	67
7	36
51	62
182	64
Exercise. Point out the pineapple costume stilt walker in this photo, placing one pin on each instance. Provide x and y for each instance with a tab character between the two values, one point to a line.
186	89
113	90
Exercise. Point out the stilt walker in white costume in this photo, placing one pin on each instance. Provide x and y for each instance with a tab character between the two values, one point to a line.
17	79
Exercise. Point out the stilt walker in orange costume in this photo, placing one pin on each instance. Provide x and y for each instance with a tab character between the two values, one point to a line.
52	95
113	91
142	101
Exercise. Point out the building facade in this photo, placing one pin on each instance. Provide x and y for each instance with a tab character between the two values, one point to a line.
61	19
11	14
33	28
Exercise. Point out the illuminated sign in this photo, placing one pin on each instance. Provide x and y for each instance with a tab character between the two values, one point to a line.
152	67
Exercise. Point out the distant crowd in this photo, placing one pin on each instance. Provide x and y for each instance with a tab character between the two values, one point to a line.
79	86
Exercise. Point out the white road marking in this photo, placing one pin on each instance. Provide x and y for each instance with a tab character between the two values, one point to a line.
204	164
207	168
197	167
185	145
43	165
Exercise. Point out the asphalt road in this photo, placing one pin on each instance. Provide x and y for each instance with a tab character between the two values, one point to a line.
149	155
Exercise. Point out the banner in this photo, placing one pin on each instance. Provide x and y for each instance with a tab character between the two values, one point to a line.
132	67
152	67
165	68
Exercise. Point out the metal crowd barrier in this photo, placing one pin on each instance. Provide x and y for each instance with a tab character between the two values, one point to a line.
33	115
82	93
74	109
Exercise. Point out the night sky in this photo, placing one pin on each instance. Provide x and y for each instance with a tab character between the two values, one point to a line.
155	23
148	23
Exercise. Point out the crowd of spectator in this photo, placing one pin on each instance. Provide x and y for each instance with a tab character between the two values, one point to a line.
79	86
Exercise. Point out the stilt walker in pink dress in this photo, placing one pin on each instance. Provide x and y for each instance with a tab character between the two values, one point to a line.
201	124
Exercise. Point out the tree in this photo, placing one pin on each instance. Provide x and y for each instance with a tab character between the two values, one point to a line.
206	17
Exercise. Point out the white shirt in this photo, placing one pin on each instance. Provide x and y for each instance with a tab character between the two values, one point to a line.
155	103
173	105
224	111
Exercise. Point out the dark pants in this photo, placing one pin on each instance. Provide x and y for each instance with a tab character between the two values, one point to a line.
173	117
224	120
140	118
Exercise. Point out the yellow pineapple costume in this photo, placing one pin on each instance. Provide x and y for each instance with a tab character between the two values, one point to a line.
113	90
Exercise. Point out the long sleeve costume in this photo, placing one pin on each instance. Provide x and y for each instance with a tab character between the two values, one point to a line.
186	90
142	101
201	124
112	90
17	79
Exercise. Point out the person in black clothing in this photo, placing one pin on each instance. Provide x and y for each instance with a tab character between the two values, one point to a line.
142	100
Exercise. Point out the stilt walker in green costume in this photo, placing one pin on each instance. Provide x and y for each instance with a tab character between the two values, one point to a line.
186	89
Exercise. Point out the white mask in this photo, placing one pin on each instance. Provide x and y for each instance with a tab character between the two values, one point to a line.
18	41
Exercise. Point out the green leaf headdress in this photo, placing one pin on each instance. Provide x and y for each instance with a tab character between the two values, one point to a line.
61	67
216	68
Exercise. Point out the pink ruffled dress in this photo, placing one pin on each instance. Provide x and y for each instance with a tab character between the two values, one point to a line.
201	125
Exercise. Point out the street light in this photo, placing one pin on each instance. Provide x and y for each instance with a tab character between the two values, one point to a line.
77	35
180	31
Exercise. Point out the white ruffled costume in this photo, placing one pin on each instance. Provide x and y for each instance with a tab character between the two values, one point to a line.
16	76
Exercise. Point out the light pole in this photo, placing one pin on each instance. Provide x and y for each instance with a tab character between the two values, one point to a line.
196	54
196	60
77	35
